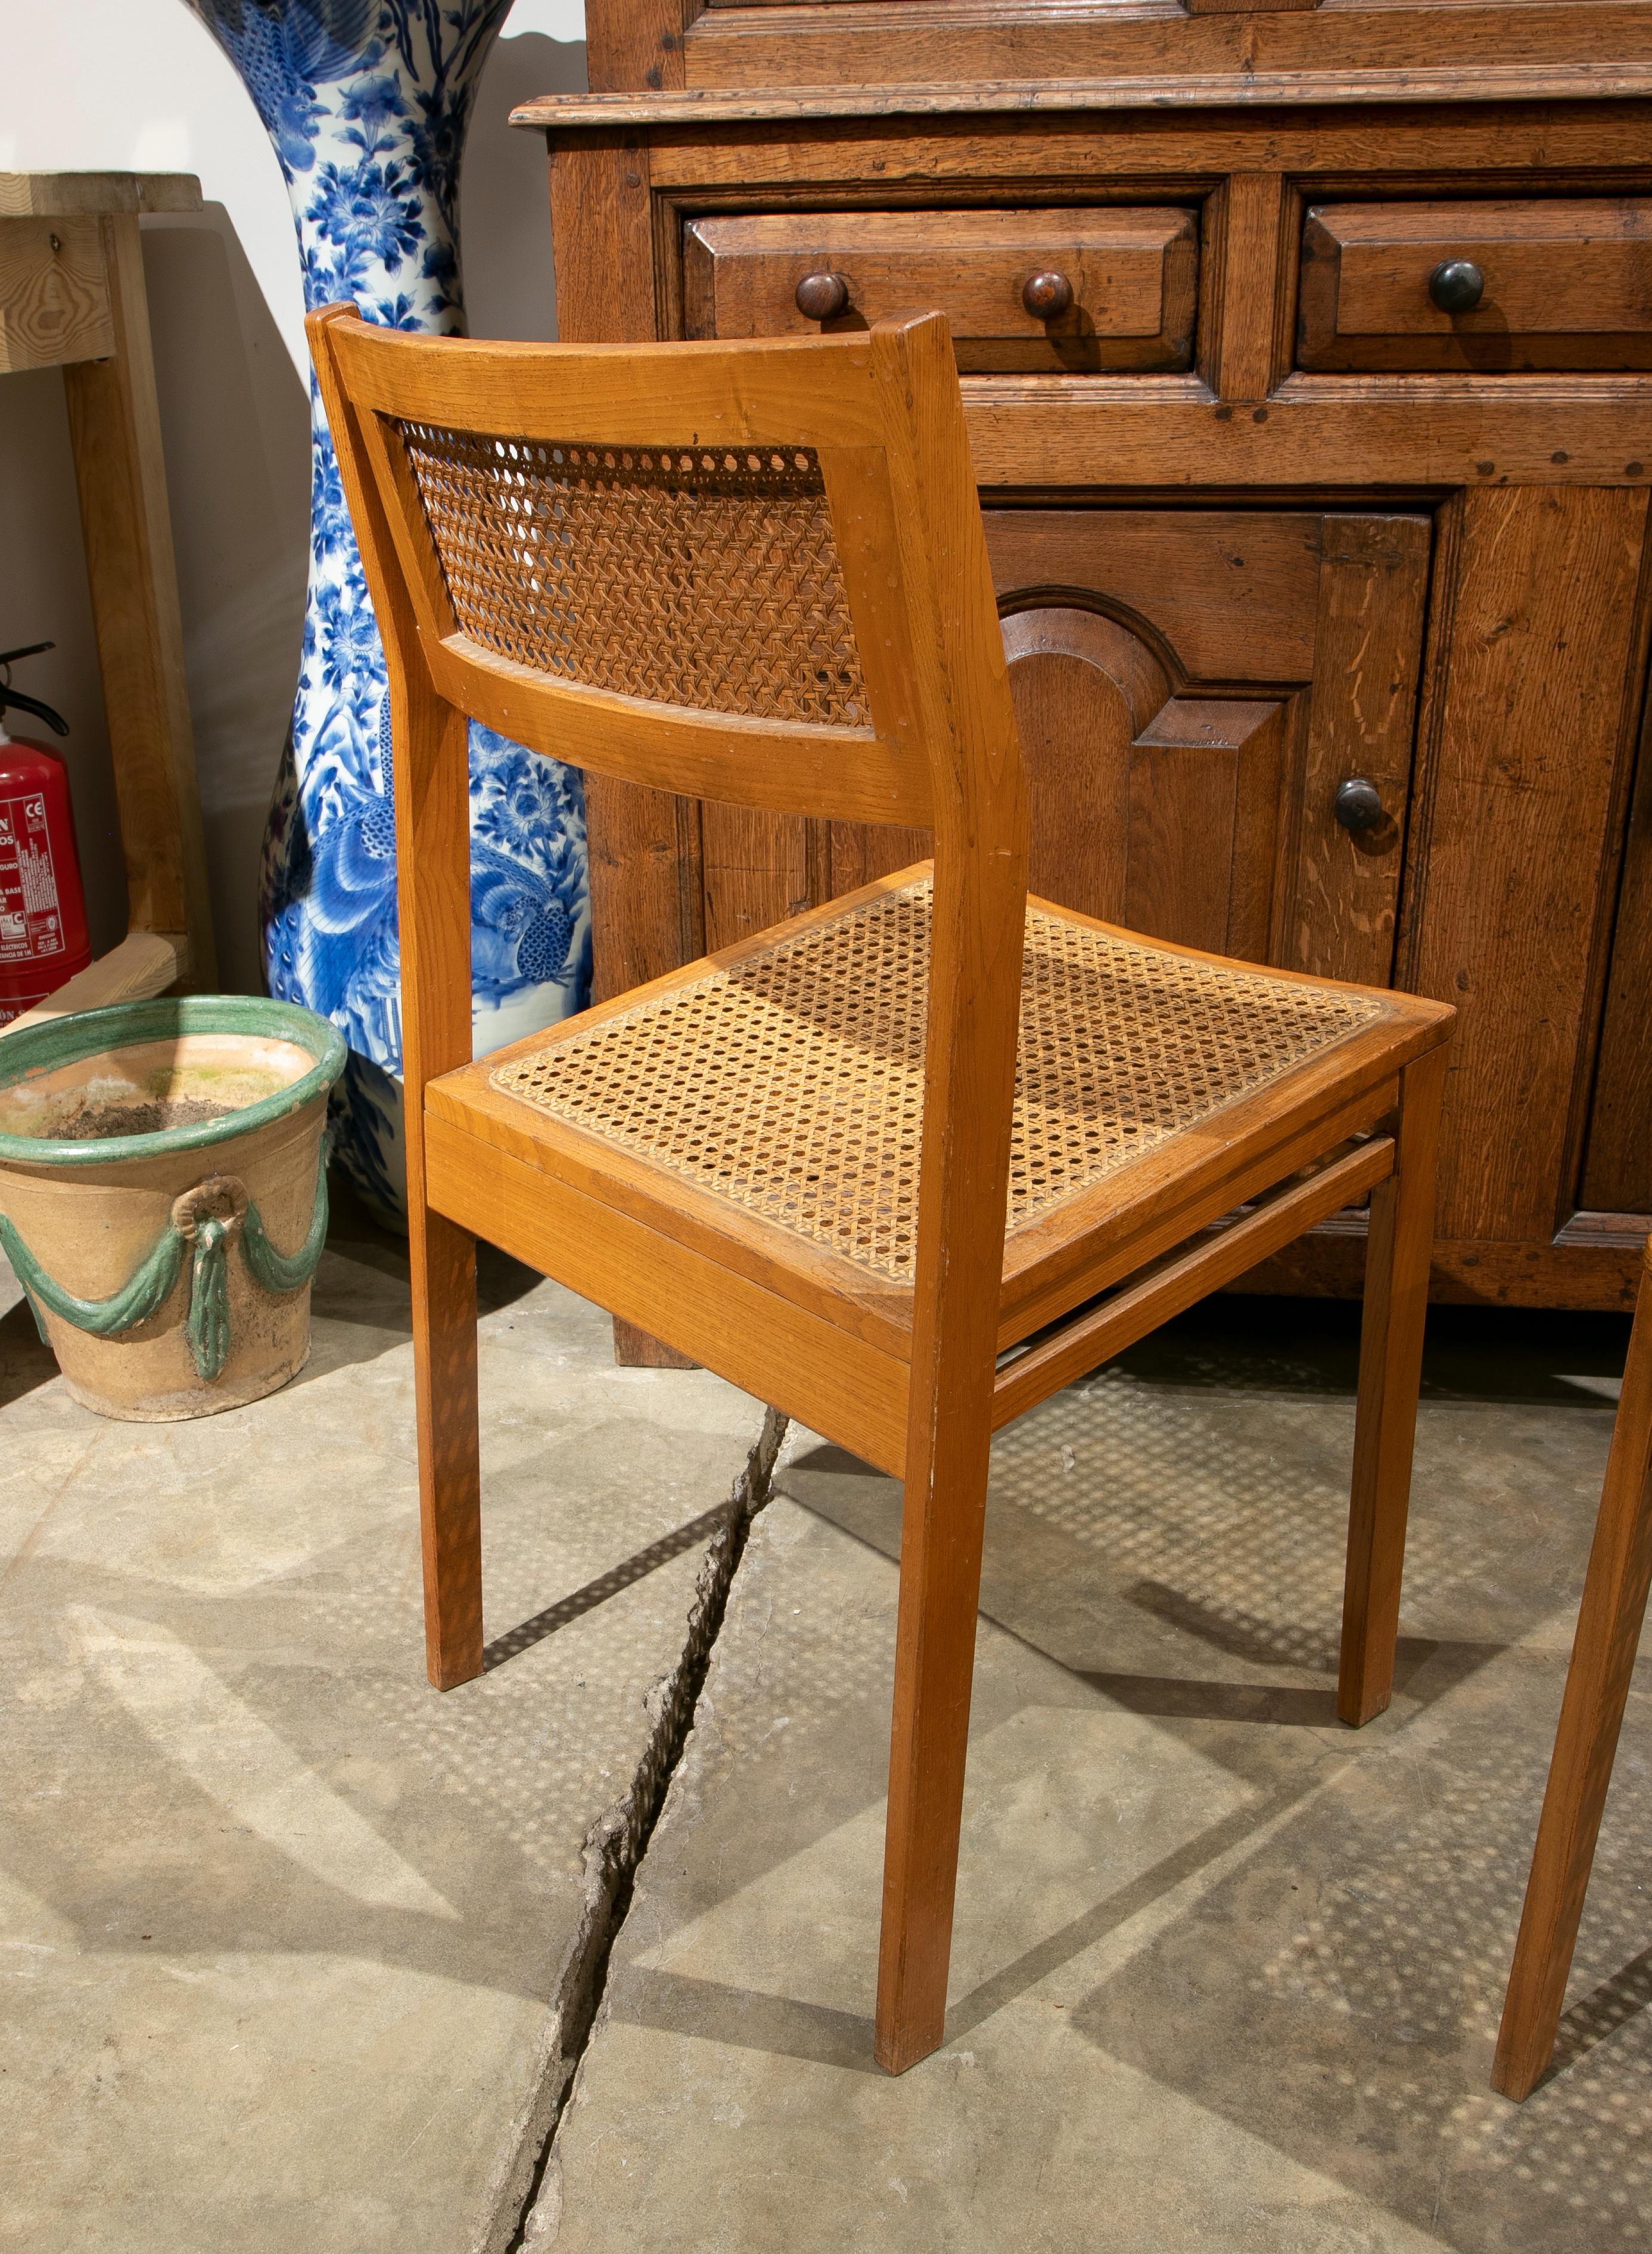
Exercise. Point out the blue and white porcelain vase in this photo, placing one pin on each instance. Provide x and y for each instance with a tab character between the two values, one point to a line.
368	102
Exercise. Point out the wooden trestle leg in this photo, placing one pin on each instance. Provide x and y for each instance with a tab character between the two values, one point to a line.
444	1262
940	1537
1603	1652
1390	1367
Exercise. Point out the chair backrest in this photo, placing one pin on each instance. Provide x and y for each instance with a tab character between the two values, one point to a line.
750	572
753	571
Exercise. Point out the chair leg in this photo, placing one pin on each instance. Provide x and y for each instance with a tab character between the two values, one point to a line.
444	1262
1609	1621
1396	1262
941	1525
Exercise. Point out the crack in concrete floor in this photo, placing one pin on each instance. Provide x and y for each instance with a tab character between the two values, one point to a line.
616	1843
1227	1974
283	1933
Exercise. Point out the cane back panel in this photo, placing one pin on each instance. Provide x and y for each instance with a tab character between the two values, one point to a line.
706	578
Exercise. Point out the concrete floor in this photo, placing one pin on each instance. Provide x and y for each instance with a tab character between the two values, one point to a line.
284	1934
286	1940
1226	1975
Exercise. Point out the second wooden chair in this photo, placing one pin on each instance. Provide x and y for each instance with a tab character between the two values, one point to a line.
1604	1648
908	1165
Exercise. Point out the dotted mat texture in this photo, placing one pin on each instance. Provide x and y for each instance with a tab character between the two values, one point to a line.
793	1086
709	580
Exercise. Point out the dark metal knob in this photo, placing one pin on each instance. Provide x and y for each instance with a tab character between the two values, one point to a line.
1358	804
821	296
1456	285
1046	296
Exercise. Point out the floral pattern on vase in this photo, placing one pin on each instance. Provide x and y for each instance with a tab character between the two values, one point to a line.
367	102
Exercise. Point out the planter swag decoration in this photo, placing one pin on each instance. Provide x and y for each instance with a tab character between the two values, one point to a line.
368	102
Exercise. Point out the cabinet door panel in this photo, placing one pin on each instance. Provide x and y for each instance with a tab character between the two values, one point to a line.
757	871
1225	837
1083	687
1204	796
861	852
1538	638
1233	593
1361	723
1190	686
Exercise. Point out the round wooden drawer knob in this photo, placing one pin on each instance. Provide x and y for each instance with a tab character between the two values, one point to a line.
1046	296
1358	804
1456	285
821	296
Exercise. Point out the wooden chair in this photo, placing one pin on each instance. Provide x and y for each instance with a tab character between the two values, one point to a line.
756	573
1603	1654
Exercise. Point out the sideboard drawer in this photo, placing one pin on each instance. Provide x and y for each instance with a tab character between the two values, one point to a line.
1059	291
1486	286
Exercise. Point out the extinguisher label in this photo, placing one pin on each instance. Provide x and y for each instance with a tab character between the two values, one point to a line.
31	920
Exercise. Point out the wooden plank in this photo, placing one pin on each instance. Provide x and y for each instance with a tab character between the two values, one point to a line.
1329	430
964	85
859	852
1015	142
1183	1279
115	429
1524	742
1392	51
1254	271
728	47
68	195
1157	154
1361	713
144	963
770	1348
55	302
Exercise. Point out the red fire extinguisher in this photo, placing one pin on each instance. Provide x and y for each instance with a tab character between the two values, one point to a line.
43	934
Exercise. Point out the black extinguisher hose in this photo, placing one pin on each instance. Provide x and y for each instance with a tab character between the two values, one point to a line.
13	700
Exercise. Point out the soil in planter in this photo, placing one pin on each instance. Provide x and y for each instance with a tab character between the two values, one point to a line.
151	1088
138	1119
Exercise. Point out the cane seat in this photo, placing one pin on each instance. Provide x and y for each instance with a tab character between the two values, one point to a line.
789	1083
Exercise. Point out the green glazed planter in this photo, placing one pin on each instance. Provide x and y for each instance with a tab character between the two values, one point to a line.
163	1195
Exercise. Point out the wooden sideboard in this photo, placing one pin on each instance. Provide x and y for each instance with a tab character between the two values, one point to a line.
1360	688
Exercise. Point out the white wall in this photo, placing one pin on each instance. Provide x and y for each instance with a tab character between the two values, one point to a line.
140	85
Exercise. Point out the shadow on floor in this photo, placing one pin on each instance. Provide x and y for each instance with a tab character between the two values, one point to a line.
1171	1533
25	1360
